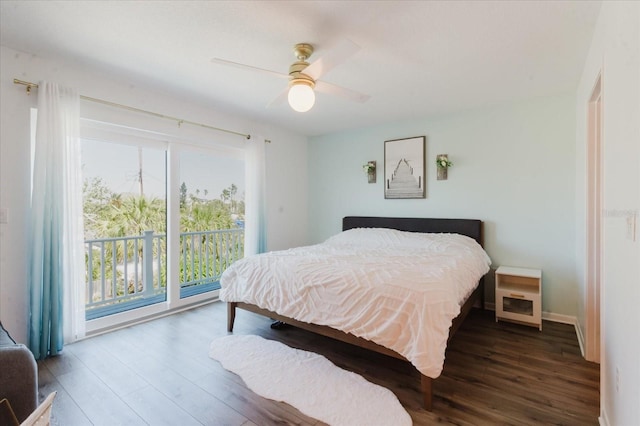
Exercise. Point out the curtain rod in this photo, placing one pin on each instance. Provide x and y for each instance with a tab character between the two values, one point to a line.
180	121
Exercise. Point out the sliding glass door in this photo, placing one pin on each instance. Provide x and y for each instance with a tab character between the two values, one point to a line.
125	222
211	219
162	221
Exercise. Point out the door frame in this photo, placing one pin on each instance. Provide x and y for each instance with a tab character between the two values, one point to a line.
594	240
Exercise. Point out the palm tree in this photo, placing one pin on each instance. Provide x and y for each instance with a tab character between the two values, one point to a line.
205	217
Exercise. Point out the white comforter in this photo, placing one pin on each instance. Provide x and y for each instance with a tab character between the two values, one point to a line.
398	289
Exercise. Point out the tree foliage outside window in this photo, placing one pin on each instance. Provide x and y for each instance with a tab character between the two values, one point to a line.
108	214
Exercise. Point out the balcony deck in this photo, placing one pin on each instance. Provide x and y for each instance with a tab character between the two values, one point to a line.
159	372
131	272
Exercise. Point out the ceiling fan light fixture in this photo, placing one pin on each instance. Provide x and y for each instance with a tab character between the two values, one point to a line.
301	95
304	75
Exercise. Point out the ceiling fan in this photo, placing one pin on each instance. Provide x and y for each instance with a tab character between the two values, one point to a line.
304	77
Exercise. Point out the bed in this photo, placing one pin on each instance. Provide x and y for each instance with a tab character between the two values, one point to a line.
343	288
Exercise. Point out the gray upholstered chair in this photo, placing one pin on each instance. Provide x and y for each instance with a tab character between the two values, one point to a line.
18	376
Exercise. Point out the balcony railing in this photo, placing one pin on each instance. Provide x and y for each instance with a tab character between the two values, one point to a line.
130	272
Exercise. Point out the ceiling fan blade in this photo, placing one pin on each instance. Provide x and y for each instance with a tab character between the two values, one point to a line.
334	57
248	67
332	89
280	99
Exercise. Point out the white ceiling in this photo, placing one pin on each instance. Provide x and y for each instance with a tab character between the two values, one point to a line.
416	59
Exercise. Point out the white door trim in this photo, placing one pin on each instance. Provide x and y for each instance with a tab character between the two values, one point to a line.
594	224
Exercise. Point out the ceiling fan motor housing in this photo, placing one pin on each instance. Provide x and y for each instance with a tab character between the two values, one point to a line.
302	51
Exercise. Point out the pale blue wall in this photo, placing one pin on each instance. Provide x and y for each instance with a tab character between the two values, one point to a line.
514	168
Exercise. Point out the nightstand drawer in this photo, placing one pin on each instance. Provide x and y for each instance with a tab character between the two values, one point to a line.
519	306
519	295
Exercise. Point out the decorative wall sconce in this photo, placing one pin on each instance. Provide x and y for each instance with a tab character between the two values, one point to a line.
443	164
370	170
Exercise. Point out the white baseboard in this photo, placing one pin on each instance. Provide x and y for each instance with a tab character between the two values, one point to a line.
567	319
564	319
603	420
550	316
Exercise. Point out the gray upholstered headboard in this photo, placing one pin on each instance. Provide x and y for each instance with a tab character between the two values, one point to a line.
469	227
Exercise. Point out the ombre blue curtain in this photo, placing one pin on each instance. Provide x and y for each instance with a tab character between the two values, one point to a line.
255	234
55	243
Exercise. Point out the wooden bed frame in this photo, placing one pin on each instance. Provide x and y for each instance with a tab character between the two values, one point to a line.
469	227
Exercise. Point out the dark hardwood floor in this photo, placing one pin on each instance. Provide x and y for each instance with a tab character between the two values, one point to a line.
159	373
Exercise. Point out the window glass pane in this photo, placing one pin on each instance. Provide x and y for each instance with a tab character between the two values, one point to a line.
124	196
211	219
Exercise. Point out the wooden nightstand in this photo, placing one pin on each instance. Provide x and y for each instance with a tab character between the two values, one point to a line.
519	295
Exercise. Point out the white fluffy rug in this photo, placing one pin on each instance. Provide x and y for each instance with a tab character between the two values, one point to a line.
308	381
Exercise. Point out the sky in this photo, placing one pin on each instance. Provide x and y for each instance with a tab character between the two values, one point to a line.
118	166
